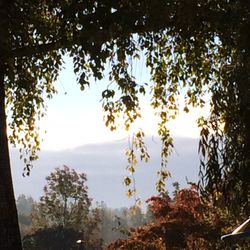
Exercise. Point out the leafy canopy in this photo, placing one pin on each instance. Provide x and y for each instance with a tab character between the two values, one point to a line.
65	202
191	47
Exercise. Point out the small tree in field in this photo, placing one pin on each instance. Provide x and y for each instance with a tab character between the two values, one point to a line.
64	209
65	201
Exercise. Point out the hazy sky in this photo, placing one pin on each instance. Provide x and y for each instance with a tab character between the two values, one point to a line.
105	166
74	117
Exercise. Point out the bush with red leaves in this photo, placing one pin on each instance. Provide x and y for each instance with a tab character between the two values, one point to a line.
183	222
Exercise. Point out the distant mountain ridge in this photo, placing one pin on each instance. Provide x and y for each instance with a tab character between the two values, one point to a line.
105	166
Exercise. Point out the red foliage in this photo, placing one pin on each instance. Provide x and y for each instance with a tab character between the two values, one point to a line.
159	206
187	199
180	223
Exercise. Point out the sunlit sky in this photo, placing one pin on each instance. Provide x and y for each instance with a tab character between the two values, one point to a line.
74	117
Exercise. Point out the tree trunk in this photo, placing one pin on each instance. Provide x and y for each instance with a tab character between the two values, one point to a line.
9	229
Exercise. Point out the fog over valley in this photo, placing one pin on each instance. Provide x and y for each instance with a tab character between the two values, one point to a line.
105	166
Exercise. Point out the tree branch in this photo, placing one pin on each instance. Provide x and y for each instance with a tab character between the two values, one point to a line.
127	21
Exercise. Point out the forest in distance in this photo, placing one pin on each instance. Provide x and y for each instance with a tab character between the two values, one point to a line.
64	218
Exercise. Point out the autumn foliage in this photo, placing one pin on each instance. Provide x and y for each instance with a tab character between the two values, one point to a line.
183	222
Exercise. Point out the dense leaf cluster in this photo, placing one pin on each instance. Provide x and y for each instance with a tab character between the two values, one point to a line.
183	222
